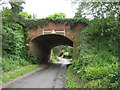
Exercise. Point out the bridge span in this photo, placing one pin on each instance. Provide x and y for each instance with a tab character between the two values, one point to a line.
44	38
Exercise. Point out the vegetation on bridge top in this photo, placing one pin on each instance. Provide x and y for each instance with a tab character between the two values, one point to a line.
33	23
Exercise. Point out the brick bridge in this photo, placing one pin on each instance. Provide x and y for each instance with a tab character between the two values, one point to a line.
44	38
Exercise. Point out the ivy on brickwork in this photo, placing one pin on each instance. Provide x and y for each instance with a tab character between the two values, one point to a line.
33	23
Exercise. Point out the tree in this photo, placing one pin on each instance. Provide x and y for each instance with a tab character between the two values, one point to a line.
56	16
16	6
98	9
12	14
25	15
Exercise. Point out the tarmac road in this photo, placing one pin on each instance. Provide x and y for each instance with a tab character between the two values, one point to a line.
52	77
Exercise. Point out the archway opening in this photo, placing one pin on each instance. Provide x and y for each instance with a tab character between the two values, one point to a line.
42	45
60	53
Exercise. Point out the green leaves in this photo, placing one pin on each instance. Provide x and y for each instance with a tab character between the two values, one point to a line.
56	16
16	6
98	45
98	48
31	23
12	41
25	15
11	62
97	9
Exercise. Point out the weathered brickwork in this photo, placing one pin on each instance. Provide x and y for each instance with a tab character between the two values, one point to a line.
41	44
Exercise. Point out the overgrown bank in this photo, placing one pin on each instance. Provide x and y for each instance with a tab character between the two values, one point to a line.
97	61
14	43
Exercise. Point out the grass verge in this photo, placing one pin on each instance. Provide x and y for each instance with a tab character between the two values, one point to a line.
74	81
8	76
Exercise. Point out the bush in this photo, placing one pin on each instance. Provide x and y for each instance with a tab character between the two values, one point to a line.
96	52
99	72
33	59
67	55
12	41
113	77
94	84
107	74
54	58
11	62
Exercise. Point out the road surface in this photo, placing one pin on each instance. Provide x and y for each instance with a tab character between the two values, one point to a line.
52	77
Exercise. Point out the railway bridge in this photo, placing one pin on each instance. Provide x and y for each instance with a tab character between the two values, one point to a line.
47	36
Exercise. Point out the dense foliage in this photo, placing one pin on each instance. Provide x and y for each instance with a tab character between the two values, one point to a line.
33	23
98	55
97	9
14	43
56	16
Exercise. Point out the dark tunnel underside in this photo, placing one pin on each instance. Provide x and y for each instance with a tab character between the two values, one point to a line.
42	45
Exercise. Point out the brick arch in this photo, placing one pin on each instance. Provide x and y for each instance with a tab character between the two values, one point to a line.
43	44
40	43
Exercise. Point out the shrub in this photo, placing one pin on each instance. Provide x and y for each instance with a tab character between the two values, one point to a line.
33	59
67	55
94	84
11	62
12	41
107	74
113	77
54	58
99	72
91	73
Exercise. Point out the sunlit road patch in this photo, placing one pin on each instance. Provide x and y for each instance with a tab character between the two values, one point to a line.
64	62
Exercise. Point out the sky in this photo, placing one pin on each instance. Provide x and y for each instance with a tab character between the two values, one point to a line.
43	8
